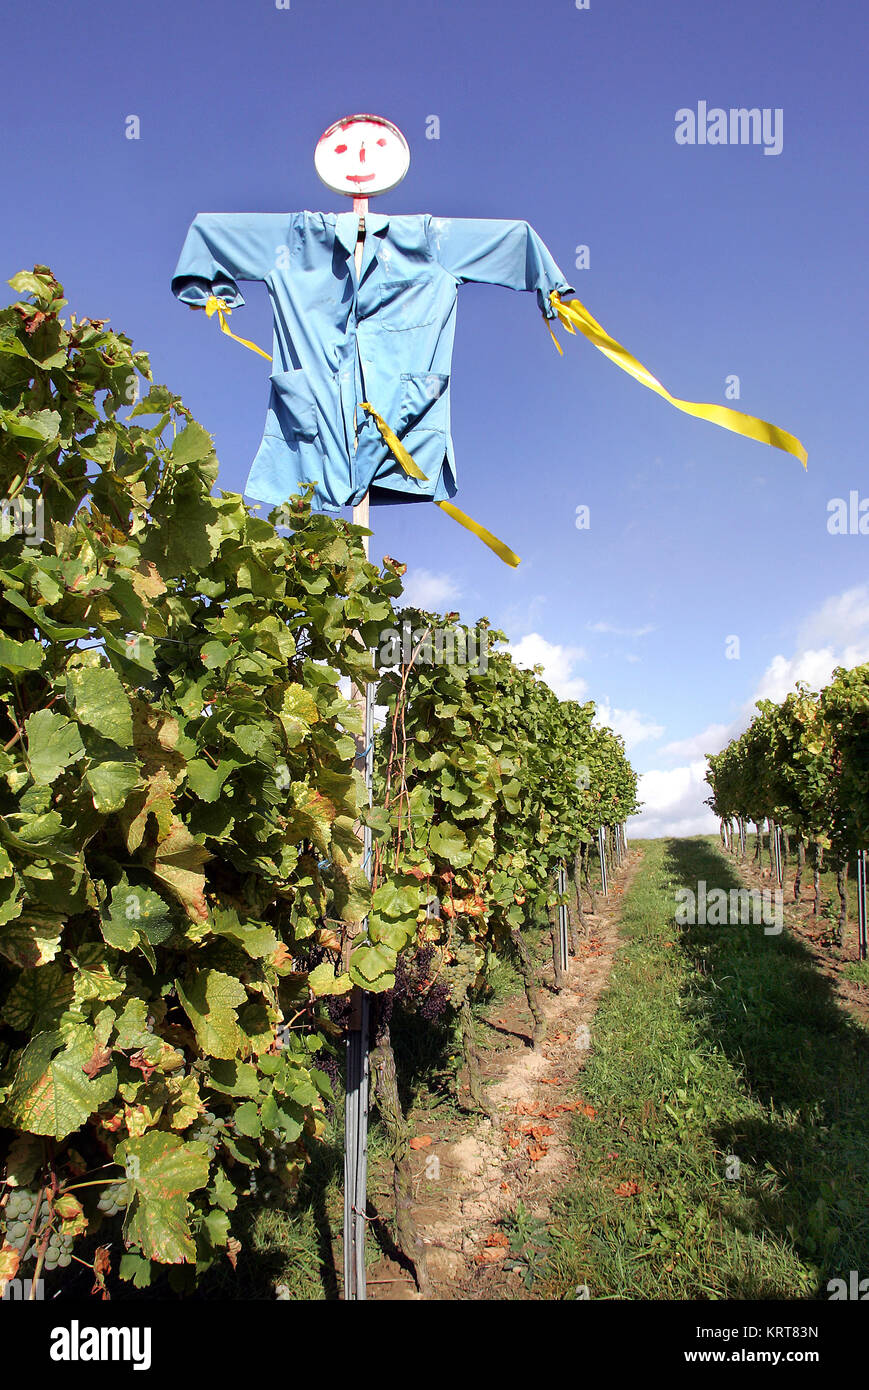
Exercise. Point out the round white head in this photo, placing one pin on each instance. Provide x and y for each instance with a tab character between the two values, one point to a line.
362	156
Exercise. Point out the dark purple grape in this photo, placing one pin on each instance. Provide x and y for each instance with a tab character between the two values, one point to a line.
402	985
338	1009
435	1003
424	957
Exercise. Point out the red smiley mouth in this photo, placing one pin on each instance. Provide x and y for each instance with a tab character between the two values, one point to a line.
360	178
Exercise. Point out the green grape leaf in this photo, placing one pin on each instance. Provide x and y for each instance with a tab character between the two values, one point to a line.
100	701
111	784
450	843
210	1000
21	656
53	742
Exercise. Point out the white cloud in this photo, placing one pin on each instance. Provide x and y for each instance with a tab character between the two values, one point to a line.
646	827
557	662
711	740
622	631
782	673
815	666
673	803
633	726
424	589
835	634
838	620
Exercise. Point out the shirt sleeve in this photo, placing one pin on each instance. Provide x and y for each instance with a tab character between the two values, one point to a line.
495	252
224	247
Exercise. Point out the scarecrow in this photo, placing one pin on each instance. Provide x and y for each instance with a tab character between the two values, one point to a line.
364	322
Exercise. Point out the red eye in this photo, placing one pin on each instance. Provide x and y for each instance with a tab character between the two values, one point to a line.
381	142
340	149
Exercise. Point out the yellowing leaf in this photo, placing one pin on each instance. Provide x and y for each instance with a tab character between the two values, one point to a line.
162	1171
323	980
51	1093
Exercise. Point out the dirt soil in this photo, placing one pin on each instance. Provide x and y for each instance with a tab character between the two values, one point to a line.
470	1171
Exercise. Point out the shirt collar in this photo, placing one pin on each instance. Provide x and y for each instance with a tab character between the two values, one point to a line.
347	227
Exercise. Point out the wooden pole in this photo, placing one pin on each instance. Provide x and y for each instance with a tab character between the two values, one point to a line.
358	1039
360	205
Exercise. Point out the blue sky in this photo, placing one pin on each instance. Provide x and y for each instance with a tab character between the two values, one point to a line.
705	261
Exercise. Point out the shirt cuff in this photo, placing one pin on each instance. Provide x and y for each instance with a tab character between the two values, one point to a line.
565	292
194	290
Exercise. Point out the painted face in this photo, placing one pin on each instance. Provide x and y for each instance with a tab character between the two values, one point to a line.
362	156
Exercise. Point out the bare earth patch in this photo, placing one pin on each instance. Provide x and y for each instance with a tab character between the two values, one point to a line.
484	1167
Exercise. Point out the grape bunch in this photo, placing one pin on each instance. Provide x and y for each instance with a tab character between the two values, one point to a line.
308	954
414	989
19	1214
338	1009
425	959
59	1251
209	1128
114	1199
436	1001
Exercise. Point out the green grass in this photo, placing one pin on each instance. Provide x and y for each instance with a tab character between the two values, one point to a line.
858	971
713	1042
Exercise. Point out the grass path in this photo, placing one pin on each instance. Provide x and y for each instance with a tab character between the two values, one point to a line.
729	1151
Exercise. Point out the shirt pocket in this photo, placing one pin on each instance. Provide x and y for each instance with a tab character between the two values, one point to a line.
423	398
406	303
293	404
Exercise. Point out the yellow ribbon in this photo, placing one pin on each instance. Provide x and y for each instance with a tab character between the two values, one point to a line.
221	309
574	315
501	550
390	438
413	470
394	444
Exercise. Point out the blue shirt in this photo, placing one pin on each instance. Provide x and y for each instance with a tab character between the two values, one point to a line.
385	337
